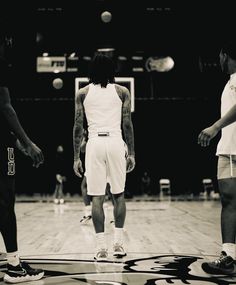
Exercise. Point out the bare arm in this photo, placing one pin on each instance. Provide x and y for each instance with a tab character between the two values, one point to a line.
11	117
209	133
227	119
23	143
83	144
127	124
78	129
127	127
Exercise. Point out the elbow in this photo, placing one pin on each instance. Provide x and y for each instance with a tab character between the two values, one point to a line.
78	131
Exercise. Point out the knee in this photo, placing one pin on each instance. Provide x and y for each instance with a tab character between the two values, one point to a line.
119	198
97	201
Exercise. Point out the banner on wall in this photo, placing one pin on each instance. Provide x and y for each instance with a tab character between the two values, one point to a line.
54	64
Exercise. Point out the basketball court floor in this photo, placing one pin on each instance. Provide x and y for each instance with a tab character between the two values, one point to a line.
166	242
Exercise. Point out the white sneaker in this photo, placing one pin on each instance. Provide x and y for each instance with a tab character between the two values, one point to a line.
101	254
118	250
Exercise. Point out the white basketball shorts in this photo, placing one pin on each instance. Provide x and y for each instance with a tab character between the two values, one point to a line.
105	162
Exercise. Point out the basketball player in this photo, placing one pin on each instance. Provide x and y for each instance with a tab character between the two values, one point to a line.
12	135
107	107
226	173
60	175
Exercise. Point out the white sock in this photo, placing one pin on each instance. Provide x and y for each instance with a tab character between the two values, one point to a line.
13	258
101	240
88	210
229	248
118	235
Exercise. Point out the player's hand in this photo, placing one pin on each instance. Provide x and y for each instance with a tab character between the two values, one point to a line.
78	168
130	163
35	154
207	135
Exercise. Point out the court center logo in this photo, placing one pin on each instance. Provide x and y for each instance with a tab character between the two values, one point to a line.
161	269
11	169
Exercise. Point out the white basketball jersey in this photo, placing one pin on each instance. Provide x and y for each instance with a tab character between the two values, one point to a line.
103	108
227	143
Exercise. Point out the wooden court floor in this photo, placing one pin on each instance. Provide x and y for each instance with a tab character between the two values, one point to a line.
166	242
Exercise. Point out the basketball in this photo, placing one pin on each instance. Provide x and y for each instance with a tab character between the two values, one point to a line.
57	83
106	17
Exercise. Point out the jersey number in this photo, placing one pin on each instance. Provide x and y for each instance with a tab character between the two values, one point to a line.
11	161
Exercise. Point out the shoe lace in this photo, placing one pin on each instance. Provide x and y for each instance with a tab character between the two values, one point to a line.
222	258
25	265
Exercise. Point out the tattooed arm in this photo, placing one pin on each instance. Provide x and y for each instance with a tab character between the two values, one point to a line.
78	130
127	125
84	142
